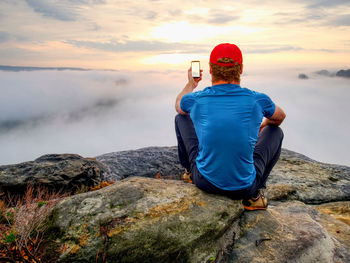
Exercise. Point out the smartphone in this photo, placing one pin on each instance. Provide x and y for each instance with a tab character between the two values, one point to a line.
196	69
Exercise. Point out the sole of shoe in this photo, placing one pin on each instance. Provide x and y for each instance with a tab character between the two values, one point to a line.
254	208
188	181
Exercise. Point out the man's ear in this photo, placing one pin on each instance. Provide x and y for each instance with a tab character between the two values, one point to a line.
210	70
241	69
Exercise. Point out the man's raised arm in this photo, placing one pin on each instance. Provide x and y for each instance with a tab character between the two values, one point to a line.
190	86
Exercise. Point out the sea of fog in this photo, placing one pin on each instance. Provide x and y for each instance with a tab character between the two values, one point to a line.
96	112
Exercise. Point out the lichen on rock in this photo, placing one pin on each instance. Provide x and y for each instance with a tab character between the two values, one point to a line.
156	222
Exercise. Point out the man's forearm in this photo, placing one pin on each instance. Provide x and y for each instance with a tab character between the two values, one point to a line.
187	89
270	122
190	86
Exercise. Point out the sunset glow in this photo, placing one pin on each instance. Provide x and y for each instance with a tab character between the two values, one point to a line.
137	34
96	76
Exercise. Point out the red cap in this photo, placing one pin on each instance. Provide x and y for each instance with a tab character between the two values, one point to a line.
226	50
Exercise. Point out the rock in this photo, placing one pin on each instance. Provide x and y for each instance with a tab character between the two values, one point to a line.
144	220
343	73
145	162
150	220
286	232
295	176
302	76
335	218
338	210
65	172
141	219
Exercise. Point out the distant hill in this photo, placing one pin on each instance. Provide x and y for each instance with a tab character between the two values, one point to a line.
303	76
20	68
343	73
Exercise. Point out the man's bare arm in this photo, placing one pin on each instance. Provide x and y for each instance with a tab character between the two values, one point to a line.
276	119
190	86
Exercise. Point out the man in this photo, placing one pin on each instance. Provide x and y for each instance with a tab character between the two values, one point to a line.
223	143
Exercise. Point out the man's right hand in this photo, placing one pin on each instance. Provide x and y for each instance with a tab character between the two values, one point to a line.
190	86
193	81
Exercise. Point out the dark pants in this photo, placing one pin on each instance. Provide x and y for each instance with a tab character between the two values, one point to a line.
266	153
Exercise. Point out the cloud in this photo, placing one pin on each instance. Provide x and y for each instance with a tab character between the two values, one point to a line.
4	36
30	123
324	72
321	17
214	17
53	99
270	49
220	17
136	46
343	20
151	15
305	17
53	9
94	112
325	3
87	2
84	112
63	10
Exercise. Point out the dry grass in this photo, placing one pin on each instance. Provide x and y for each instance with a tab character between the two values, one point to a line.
23	225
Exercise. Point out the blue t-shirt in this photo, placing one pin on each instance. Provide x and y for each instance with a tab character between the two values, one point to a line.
227	119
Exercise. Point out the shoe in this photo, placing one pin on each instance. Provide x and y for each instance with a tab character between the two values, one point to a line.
187	178
258	203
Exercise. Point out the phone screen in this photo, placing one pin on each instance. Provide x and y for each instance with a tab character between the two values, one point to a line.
195	69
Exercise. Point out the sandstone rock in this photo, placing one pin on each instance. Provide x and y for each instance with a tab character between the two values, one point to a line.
335	218
65	172
339	210
287	232
145	162
144	220
295	176
150	220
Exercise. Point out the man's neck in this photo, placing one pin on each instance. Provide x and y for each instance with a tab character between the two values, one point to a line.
219	82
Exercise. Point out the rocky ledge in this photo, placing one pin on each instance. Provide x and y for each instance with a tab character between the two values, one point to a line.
140	219
295	176
59	172
149	220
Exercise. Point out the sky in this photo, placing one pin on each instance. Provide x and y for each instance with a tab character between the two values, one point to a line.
144	35
139	52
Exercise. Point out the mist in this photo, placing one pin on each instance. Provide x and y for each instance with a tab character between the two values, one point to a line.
96	112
